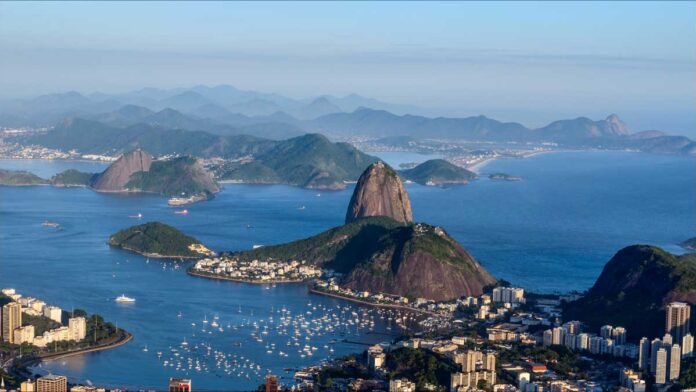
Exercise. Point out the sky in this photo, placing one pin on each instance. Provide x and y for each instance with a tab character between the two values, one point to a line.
529	62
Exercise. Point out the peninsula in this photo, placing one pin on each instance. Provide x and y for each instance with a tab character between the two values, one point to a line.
378	250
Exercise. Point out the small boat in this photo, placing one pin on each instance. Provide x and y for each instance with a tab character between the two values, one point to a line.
138	216
123	299
301	208
181	212
256	246
48	223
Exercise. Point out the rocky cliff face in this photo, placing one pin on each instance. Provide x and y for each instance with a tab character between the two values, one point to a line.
379	192
116	176
420	261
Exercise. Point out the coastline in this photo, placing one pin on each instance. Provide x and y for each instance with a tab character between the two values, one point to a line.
51	357
154	255
240	280
378	305
55	356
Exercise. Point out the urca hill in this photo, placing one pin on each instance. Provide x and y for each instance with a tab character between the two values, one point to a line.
380	249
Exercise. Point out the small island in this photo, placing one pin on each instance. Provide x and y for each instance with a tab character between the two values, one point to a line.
503	177
20	178
436	172
158	240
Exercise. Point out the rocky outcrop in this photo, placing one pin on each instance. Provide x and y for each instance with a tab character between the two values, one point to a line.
633	289
420	261
379	192
116	176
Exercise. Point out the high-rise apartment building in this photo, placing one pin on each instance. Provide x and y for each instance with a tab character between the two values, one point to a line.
11	320
655	345
644	354
661	366
605	331
674	362
619	335
52	383
677	320
687	346
77	327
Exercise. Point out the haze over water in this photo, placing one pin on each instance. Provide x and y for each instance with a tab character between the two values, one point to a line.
551	232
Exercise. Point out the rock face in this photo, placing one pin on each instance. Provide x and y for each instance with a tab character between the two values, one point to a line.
423	261
379	192
633	289
116	176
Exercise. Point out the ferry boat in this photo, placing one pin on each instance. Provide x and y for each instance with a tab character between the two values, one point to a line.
123	299
181	212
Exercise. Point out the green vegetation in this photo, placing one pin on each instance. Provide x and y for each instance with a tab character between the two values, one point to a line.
633	288
421	366
310	161
349	367
19	178
155	239
41	324
687	378
72	177
560	359
183	176
438	172
341	247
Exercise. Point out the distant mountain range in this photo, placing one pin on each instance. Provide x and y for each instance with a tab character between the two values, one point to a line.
227	111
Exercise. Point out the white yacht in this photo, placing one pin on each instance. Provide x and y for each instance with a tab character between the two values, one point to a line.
123	299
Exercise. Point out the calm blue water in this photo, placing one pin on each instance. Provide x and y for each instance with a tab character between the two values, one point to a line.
553	231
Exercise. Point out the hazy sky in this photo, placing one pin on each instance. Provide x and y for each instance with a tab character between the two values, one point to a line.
529	62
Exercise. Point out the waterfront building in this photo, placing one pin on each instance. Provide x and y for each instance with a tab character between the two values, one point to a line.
674	362
77	327
677	319
24	334
179	385
11	320
52	383
401	385
661	366
619	335
644	354
85	388
687	346
606	331
54	313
